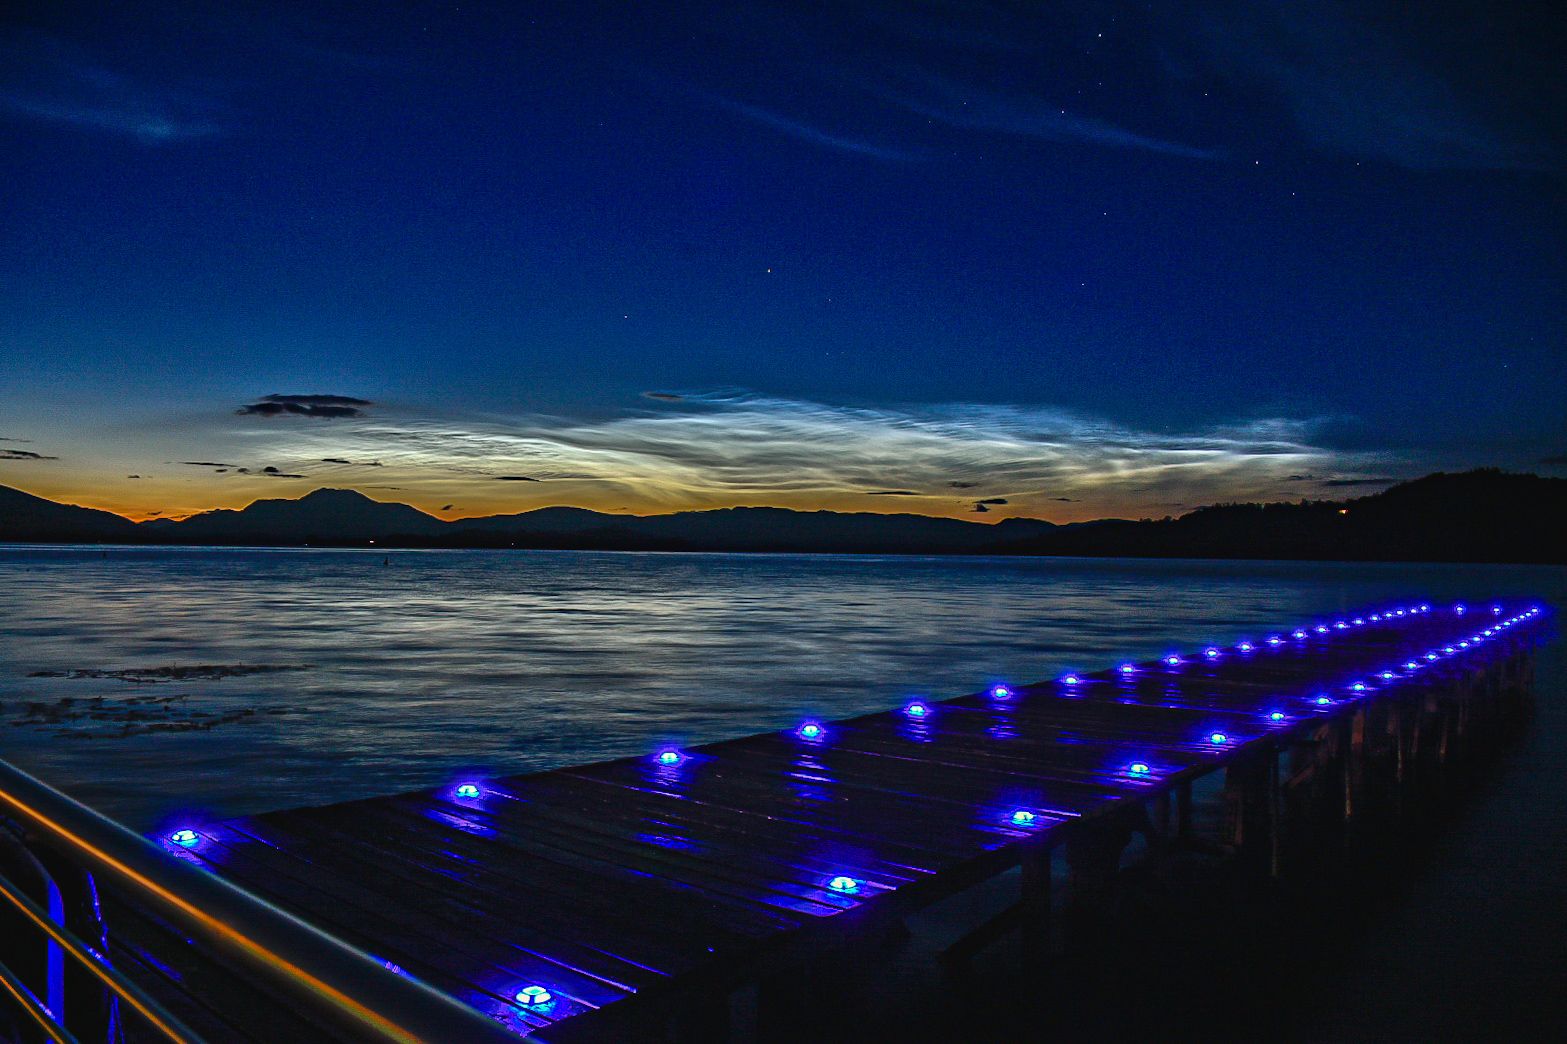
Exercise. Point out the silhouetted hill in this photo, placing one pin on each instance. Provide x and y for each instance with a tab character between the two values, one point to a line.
24	517
1485	515
327	516
1477	516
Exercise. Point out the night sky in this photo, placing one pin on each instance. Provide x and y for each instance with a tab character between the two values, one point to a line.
1076	259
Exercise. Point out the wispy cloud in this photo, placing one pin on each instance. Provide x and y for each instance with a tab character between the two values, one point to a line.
975	106
16	454
815	135
46	79
1355	90
740	448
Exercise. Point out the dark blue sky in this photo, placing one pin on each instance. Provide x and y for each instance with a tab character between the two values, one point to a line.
1109	258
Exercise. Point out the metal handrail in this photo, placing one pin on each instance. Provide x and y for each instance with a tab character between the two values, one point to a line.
336	984
13	987
127	991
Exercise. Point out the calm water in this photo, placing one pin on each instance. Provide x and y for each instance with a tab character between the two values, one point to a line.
386	673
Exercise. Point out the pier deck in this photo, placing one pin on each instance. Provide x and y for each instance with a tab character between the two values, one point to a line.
635	891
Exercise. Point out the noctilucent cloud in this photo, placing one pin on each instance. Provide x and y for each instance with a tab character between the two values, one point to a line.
1064	260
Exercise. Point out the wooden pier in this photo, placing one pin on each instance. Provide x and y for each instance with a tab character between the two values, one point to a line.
635	899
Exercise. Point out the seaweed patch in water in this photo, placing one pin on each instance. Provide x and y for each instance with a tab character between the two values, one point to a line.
174	672
103	718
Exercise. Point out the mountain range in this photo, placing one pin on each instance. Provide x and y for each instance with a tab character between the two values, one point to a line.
1485	515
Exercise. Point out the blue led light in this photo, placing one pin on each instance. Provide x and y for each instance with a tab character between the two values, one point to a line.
1000	692
1218	739
1274	639
1211	653
846	885
185	837
1387	675
1424	608
1448	649
917	709
1410	665
1127	668
1375	617
534	996
1496	610
1173	660
1276	716
1322	629
1245	647
670	757
1298	635
1069	679
1324	701
1359	687
1139	768
1431	656
1023	817
1341	626
1359	620
467	790
810	730
1460	609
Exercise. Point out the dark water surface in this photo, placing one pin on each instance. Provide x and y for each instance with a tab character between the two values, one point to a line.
392	672
363	678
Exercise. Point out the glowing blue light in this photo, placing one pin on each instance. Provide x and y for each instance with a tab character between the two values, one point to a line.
1023	817
1322	629
1430	656
1069	679
1274	639
1410	665
1276	716
1323	701
1496	610
185	838
533	996
1000	692
1341	626
846	885
1211	653
810	730
1245	647
917	709
1398	612
1359	620
467	790
1173	660
1424	608
1359	687
1127	668
1375	617
1298	635
1449	649
1460	609
1139	768
1218	739
670	757
1387	675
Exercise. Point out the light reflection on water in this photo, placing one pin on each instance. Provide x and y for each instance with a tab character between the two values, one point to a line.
448	663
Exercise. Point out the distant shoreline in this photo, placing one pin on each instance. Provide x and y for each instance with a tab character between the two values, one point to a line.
1482	516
